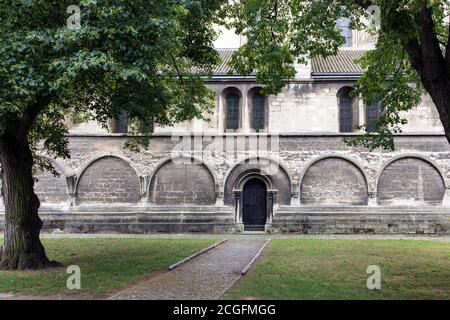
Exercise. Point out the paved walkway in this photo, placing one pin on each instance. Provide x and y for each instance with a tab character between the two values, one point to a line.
208	276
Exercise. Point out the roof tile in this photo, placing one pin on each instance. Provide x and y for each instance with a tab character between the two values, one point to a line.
343	62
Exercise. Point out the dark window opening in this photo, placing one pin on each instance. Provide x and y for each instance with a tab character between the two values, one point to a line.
258	112
372	115
346	112
122	123
232	102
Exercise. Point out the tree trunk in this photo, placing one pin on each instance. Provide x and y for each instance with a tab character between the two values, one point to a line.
440	94
432	66
22	248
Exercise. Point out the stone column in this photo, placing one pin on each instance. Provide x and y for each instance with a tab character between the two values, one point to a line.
143	187
295	198
71	188
271	200
372	199
238	211
245	115
219	199
362	113
220	116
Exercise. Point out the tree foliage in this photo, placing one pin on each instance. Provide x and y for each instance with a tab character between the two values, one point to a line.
411	54
130	55
133	56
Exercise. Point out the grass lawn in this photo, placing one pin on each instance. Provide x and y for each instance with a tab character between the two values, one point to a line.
107	264
336	269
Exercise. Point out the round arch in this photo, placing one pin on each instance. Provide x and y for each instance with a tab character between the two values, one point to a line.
346	89
103	186
354	112
245	159
231	89
429	188
414	156
358	195
252	174
254	89
102	156
280	181
223	98
335	156
59	167
192	160
161	163
49	188
267	204
251	93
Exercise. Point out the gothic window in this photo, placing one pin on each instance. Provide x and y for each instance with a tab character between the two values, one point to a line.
258	111
344	25
345	111
372	114
232	111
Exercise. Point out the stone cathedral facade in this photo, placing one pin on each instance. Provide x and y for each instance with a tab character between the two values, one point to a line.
261	163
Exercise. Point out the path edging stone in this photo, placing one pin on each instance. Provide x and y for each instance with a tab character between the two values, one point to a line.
250	264
181	262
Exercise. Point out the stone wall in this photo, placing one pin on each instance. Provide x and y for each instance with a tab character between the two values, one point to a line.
182	181
108	180
334	181
301	108
317	176
50	188
295	155
409	180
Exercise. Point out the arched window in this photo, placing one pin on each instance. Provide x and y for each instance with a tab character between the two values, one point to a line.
121	124
258	112
346	32
345	110
372	114
232	111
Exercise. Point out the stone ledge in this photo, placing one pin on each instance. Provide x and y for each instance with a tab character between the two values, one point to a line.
303	220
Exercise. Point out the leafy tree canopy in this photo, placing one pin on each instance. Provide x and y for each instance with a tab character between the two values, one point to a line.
411	55
130	55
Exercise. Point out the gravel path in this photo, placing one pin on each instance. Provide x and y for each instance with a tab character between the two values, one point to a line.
206	277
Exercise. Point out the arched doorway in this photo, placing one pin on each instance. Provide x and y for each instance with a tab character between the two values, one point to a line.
254	215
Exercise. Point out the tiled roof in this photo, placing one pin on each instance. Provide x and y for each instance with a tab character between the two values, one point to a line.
343	62
222	68
225	58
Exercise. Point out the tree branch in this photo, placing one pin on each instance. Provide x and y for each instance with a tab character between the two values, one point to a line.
30	115
424	51
180	76
431	50
414	51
